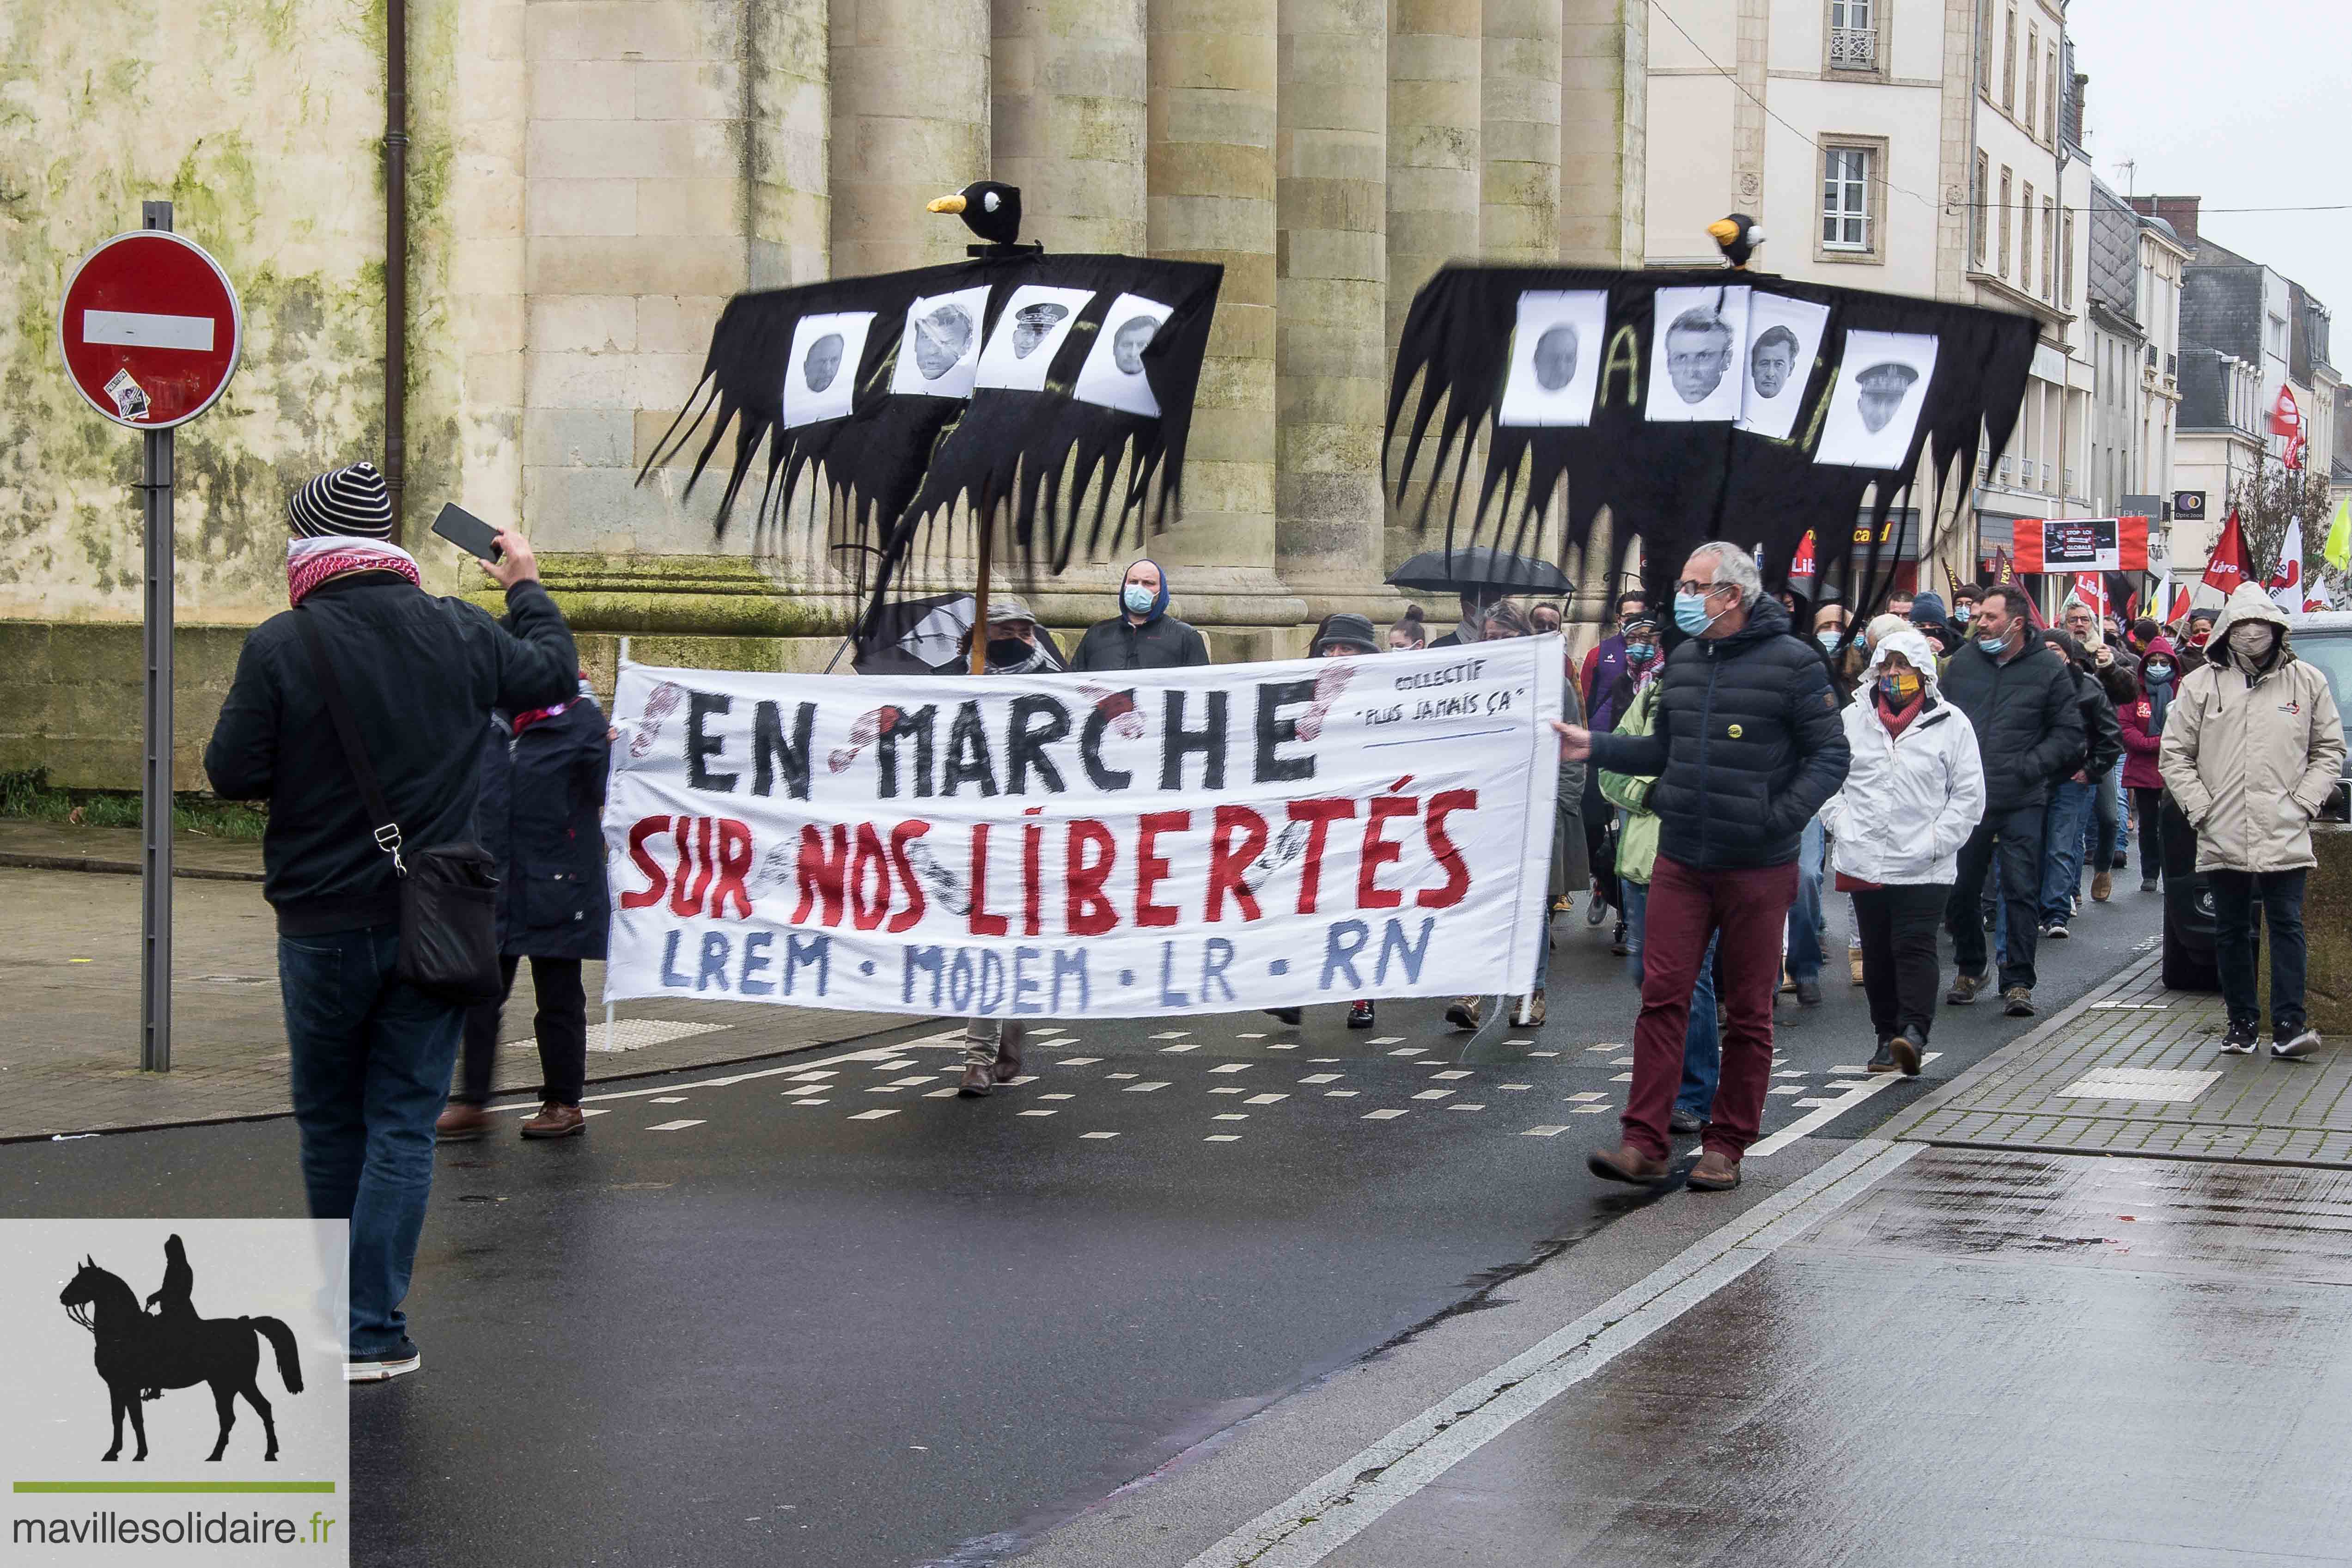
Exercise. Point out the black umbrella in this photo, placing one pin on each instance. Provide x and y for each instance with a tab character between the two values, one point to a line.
1477	568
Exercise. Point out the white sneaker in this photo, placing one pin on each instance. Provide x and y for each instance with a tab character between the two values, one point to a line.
383	1368
2295	1049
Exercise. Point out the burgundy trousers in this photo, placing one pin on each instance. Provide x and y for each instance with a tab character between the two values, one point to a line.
1750	908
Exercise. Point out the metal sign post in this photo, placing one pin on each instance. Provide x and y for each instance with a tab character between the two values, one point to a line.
155	782
151	331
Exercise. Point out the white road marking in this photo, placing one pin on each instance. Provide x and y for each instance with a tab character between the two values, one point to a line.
1514	1085
1790	1072
1531	1053
910	1082
1123	1074
817	1075
1231	1116
1097	1134
1456	1072
1434	1094
796	1102
1037	1113
874	1115
1588	1094
1543	1133
1387	1040
1173	1035
1265	1099
1229	1089
1338	1094
1591	1110
1249	1036
1282	1048
886	1087
146	329
1323	1077
1411	1051
1308	1527
1853	1071
1382	1115
669	1099
1017	1082
1146	1087
678	1126
1057	1097
1621	1078
1787	1088
1852	1083
1232	1066
1223	1138
1465	1107
1604	1047
1825	1115
1079	1061
942	1094
1169	1050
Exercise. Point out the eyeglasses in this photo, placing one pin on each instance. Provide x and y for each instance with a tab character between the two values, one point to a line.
1702	589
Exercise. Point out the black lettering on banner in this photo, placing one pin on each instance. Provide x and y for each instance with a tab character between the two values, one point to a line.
915	723
1273	729
1177	742
769	748
1090	740
1027	738
699	705
968	758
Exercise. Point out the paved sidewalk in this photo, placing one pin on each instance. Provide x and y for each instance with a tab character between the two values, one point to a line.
2133	1071
65	846
69	1034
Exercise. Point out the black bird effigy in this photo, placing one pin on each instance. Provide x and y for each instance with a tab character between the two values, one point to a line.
1032	388
1694	404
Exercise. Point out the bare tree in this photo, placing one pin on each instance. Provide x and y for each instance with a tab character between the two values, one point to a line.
2271	499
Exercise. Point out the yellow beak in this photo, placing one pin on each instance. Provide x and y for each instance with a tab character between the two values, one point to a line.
1723	230
949	203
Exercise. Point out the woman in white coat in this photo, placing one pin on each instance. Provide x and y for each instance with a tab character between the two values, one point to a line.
1913	795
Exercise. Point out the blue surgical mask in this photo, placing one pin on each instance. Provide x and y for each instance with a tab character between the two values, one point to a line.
2159	672
1993	646
1690	614
1136	598
1962	612
1828	639
1641	652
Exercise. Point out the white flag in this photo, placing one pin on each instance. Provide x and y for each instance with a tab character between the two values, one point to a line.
2286	579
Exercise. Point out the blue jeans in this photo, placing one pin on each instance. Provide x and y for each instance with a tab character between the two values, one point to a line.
1805	914
2071	805
1702	1044
370	1060
2105	837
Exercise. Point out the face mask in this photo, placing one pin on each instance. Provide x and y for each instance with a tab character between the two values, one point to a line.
2159	672
1690	613
1962	613
1007	650
2254	641
1899	687
1136	598
1996	647
2197	634
1641	652
1829	639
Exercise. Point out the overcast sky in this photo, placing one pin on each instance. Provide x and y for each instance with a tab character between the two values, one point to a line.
2240	104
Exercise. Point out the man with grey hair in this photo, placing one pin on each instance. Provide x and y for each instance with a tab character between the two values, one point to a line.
1746	747
1698	350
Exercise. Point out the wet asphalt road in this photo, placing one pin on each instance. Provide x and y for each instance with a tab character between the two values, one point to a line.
757	1317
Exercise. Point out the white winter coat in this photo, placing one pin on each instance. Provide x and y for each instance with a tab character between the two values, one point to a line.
1909	801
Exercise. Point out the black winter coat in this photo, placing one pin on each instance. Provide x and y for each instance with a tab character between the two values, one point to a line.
1747	748
421	674
2102	731
1161	643
2028	718
541	814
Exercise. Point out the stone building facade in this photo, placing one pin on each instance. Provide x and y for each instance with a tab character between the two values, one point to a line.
593	178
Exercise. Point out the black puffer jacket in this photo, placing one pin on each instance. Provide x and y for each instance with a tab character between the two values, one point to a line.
541	810
2028	718
1748	747
2102	732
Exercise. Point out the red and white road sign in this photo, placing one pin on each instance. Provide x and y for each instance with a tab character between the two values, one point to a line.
151	330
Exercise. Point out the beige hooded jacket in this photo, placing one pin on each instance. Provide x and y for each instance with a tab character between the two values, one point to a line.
2251	756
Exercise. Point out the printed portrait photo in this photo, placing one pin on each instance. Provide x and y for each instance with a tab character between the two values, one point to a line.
1696	369
821	377
1784	337
1557	346
939	350
1020	352
1113	374
1875	403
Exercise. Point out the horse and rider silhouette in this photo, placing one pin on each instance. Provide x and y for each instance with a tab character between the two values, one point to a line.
140	1354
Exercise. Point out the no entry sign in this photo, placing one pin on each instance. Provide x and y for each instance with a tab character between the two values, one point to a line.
151	330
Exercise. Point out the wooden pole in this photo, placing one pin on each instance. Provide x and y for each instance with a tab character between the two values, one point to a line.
979	594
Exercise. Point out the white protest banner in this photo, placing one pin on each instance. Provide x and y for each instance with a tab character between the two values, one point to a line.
1085	846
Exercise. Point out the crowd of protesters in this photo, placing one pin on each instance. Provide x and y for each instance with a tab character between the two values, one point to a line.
1728	769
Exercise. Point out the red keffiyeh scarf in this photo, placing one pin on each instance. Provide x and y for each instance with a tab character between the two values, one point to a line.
311	562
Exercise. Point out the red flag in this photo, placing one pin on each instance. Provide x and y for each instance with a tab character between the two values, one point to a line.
2286	415
2180	608
2228	566
2091	588
2001	570
1804	565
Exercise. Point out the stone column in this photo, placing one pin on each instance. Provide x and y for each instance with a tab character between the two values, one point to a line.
1331	170
1068	111
788	93
1603	96
1755	44
1211	172
1520	146
910	121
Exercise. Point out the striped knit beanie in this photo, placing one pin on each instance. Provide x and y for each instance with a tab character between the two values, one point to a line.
350	503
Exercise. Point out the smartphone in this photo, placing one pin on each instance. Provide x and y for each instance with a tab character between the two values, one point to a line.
466	531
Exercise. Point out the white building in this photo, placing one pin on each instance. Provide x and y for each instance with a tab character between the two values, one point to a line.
1929	147
2132	300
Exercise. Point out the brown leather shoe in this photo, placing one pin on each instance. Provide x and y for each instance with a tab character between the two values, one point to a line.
462	1123
1625	1163
555	1120
1008	1052
1716	1172
979	1080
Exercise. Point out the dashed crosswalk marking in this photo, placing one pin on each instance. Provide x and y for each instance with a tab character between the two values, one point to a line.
1324	1061
1097	1134
1790	1072
1189	1046
1591	1110
1323	1077
1530	1042
899	1065
1588	1094
874	1115
1411	1051
1387	1040
1450	1073
1229	1089
1249	1036
1533	1053
1017	1082
668	1099
1787	1088
812	1102
1079	1061
1434	1094
1621	1078
1055	1113
1290	1046
1611	1046
1850	1072
1146	1087
1620	1061
1057	1097
1604	1047
1173	1035
1856	1083
818	1075
1465	1107
1265	1099
1514	1085
1123	1074
678	1126
1223	1138
949	1093
1232	1066
911	1082
1547	1131
1388	1115
1231	1116
1338	1094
